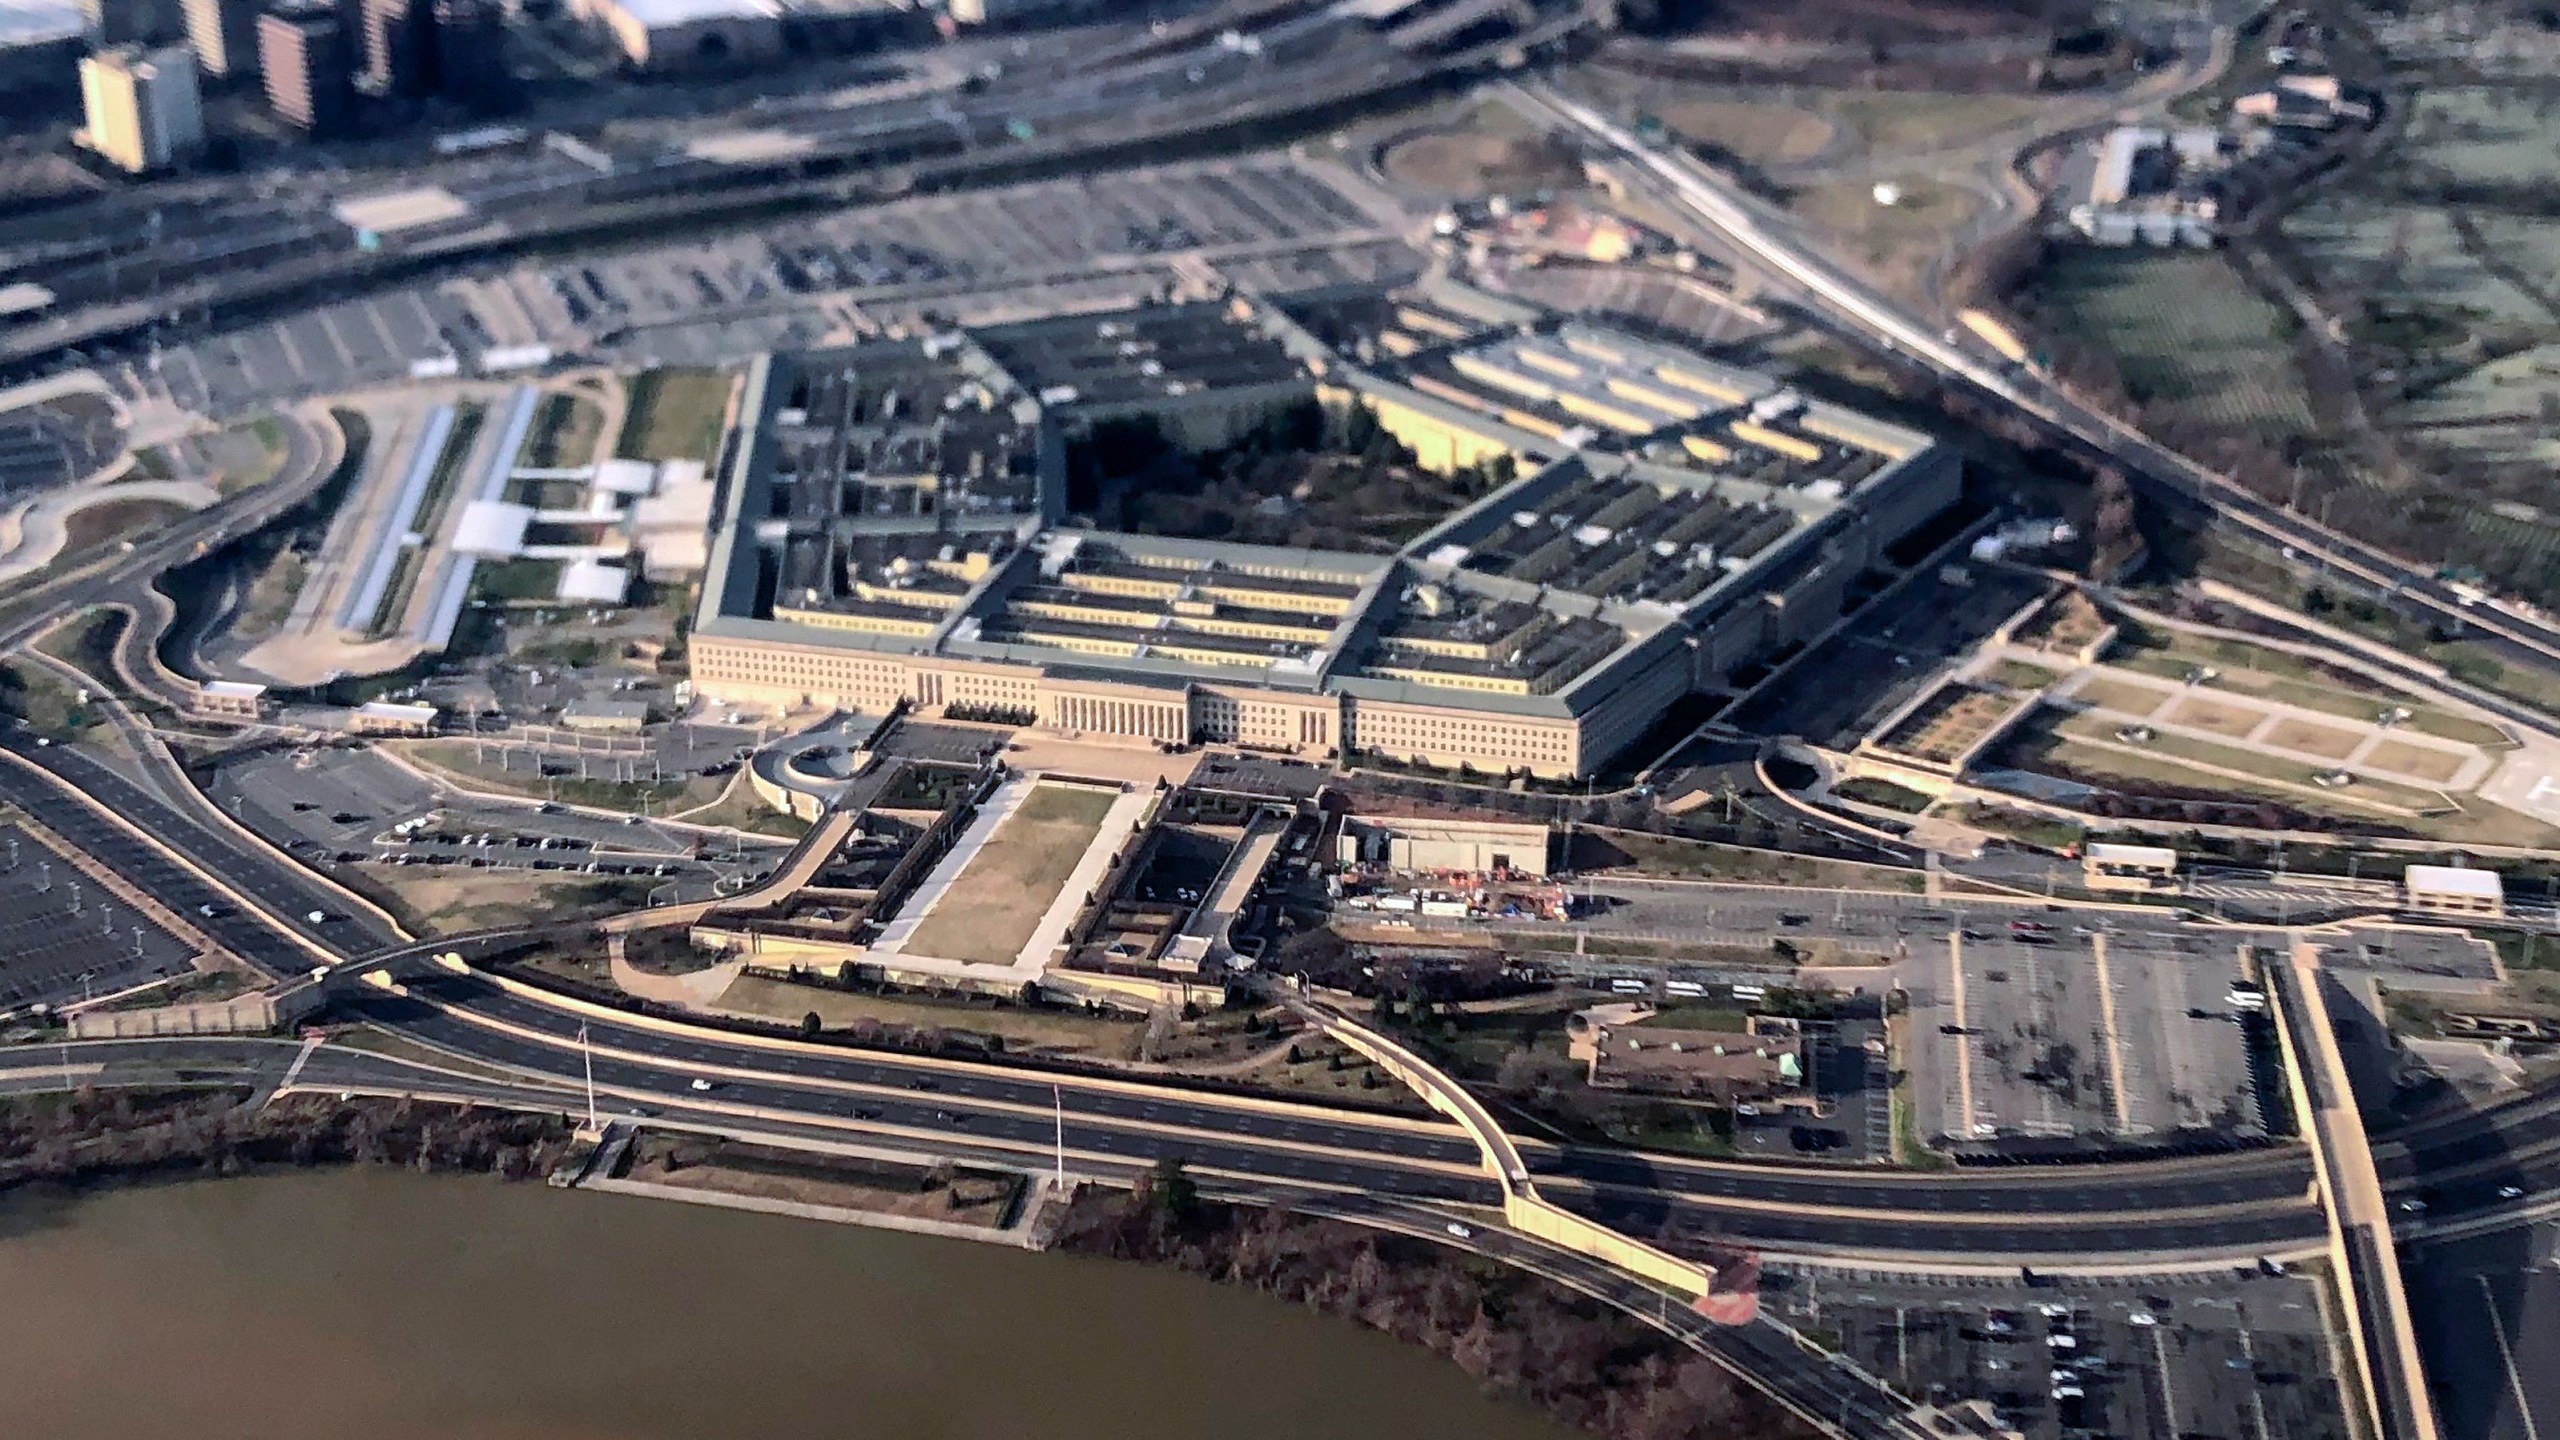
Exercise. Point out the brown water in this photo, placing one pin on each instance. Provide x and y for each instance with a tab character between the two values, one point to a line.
369	1305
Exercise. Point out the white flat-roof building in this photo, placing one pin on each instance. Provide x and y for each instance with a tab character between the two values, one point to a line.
383	717
2453	890
625	477
2136	868
492	529
688	34
590	581
230	699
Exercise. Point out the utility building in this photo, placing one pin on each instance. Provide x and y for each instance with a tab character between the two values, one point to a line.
2454	890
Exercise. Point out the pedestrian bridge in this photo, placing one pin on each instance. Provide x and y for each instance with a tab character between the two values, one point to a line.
1522	1207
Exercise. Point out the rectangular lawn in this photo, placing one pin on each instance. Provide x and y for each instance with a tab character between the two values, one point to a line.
989	912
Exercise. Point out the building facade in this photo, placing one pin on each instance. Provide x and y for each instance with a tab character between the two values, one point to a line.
308	67
224	36
399	44
141	106
888	536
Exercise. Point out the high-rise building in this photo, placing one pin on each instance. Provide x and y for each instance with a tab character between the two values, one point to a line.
471	54
224	35
141	105
123	22
400	47
308	65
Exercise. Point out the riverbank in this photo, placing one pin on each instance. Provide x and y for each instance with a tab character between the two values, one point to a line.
1523	1338
95	1138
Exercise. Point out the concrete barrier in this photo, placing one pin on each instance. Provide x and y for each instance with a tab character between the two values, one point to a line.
258	1014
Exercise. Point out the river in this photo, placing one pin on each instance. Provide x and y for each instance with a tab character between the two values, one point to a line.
376	1305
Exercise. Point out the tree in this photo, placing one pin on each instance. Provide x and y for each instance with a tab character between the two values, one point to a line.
1171	1194
810	1024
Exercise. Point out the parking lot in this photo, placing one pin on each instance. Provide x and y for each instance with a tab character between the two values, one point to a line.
2236	1354
64	937
344	807
2017	1037
1107	240
54	442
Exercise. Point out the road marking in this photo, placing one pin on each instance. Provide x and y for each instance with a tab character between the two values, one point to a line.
2515	1382
293	1072
2115	1041
1964	1038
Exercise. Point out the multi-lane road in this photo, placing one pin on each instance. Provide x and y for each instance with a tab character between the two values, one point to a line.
1769	241
2230	1205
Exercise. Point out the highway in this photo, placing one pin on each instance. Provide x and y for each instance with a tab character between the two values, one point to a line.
2231	1205
117	275
309	458
1769	240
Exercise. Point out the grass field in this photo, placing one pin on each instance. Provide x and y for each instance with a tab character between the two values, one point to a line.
675	415
2424	762
1059	1031
2309	739
1702	860
1893	243
991	909
2191	340
2203	712
2123	696
1760	133
565	431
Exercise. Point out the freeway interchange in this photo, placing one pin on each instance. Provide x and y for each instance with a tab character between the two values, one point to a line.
2229	1208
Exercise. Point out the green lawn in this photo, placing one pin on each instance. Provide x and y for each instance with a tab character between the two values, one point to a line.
675	415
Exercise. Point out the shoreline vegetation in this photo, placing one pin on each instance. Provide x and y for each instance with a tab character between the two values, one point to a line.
1524	1339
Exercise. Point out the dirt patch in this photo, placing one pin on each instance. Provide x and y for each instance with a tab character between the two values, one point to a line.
2308	739
2219	716
997	900
1470	162
446	904
2420	762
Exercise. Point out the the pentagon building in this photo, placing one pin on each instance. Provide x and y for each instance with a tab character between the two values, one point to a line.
892	528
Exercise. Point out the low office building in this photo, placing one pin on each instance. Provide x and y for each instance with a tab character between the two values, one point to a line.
890	532
383	717
1428	842
2129	869
676	35
1762	1062
2453	890
229	700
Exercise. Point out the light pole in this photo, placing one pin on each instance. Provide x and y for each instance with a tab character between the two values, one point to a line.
1058	1108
